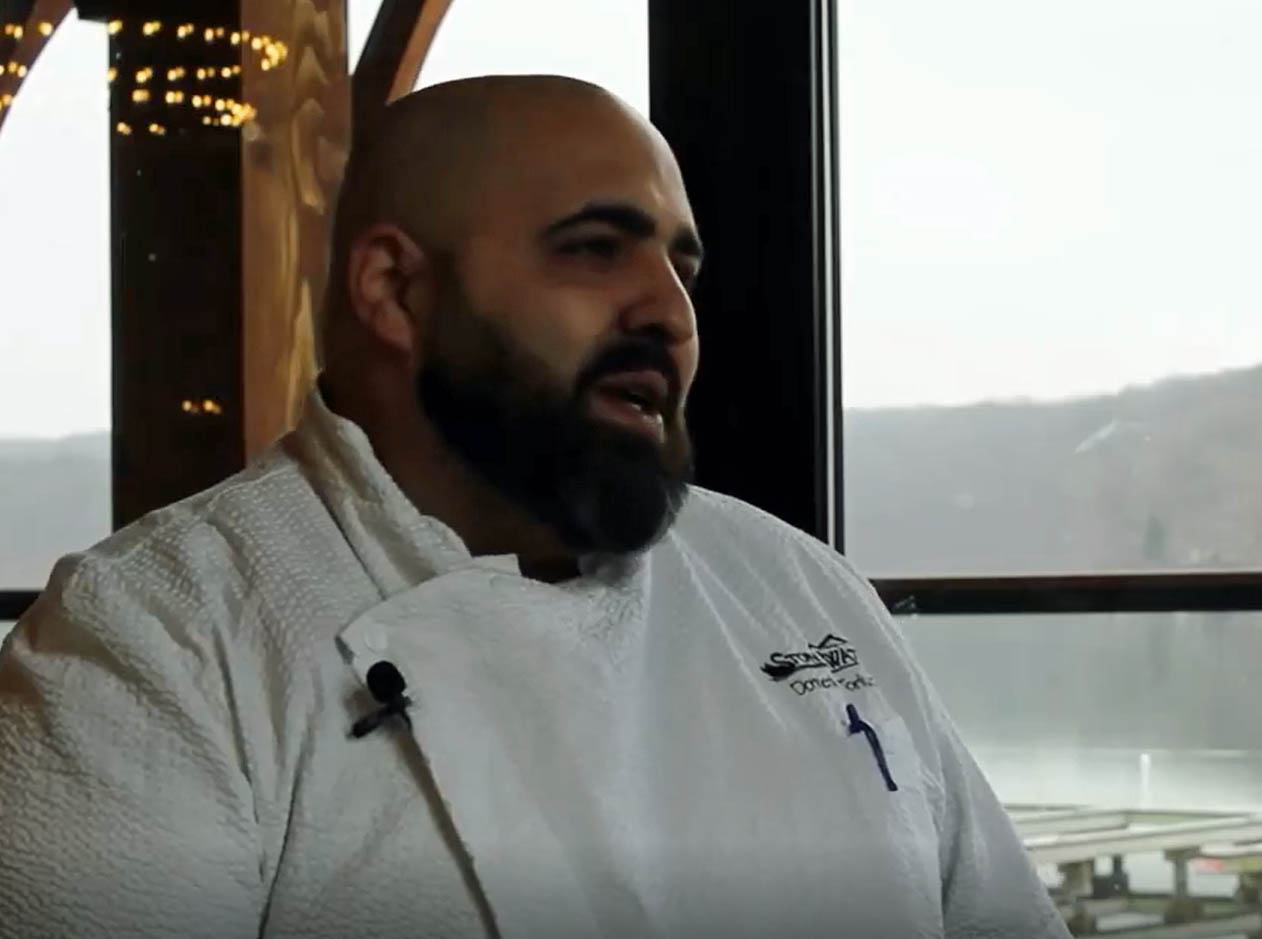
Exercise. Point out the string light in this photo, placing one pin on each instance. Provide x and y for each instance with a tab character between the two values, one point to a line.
46	28
17	31
205	406
124	128
111	74
272	49
271	54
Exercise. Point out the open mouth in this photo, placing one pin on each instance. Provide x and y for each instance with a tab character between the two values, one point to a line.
641	402
646	390
635	398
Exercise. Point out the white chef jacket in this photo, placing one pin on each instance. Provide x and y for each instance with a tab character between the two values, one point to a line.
661	747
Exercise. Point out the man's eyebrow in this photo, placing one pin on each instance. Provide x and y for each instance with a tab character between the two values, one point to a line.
630	220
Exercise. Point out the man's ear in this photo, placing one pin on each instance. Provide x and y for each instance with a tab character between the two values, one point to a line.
382	264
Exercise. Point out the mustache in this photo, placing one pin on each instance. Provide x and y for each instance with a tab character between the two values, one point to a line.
629	356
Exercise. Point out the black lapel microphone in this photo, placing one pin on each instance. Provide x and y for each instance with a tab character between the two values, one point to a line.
387	686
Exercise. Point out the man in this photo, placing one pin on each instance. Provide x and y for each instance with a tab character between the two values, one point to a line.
634	708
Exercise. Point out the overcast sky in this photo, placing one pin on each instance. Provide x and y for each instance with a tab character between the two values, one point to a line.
1039	200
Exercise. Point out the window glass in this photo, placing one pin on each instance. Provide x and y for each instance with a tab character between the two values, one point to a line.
602	41
1153	711
55	312
1050	303
359	19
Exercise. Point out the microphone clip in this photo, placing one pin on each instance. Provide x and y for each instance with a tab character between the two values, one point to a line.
387	686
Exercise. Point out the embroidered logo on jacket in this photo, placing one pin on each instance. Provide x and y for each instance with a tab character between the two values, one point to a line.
833	653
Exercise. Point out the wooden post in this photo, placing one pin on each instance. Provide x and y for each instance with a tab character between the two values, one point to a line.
292	156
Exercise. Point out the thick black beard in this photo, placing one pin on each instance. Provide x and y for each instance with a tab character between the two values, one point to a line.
601	488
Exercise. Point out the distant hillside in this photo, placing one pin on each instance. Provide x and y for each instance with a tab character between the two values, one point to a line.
1151	478
54	498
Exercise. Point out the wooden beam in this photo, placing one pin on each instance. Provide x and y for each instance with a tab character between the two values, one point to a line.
388	67
38	20
292	156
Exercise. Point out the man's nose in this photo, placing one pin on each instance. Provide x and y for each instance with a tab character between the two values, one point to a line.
662	304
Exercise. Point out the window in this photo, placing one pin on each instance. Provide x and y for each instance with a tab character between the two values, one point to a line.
55	314
1051	333
603	41
1149	712
1051	363
1145	710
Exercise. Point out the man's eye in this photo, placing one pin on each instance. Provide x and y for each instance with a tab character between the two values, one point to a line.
603	248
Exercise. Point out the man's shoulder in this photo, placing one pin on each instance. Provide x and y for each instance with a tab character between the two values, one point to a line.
208	526
717	524
202	558
747	545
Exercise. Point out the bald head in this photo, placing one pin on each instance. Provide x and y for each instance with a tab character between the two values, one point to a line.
432	161
509	313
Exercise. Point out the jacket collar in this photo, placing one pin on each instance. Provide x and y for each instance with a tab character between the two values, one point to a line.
398	545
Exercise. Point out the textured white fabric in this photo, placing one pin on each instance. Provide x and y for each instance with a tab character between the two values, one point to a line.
604	756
